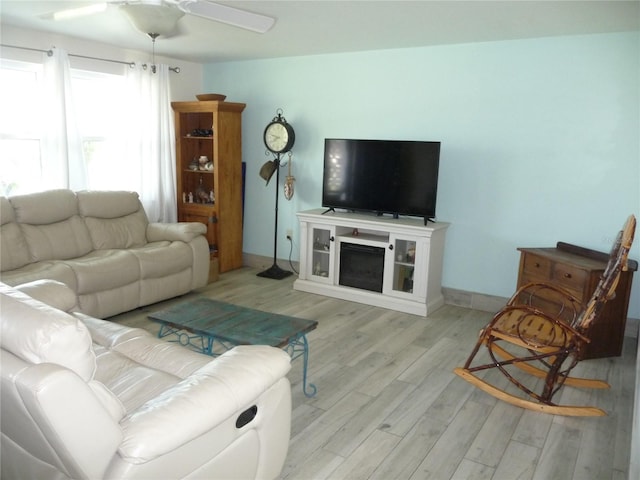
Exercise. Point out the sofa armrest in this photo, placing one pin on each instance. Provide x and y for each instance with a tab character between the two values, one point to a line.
182	231
223	388
64	415
53	293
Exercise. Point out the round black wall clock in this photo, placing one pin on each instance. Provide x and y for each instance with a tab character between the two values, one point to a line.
279	135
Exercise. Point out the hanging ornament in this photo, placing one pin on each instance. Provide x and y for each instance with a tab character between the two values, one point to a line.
288	182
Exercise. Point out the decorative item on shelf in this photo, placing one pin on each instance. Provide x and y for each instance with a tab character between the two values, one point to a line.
190	197
184	197
209	167
288	182
208	97
202	162
194	164
202	196
407	284
200	132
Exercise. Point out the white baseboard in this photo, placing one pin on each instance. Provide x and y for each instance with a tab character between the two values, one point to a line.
477	301
452	296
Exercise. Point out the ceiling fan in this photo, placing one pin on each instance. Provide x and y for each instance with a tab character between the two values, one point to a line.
159	17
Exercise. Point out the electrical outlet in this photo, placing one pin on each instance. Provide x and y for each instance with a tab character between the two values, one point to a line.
290	234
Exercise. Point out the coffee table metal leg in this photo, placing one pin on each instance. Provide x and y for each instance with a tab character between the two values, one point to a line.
185	338
209	350
297	347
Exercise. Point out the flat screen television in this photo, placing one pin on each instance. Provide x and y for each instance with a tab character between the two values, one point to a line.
395	177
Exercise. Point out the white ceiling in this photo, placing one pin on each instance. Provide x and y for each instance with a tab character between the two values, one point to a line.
312	27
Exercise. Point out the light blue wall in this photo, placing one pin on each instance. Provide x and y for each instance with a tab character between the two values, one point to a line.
540	140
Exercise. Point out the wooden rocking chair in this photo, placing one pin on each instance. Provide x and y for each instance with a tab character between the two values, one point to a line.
541	334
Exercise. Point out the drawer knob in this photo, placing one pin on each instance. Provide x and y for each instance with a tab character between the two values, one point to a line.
537	265
567	275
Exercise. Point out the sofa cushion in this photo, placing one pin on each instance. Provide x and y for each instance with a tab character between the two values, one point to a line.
131	382
115	219
169	357
35	271
134	364
160	259
142	347
122	232
6	211
51	225
51	292
107	333
103	270
58	241
107	204
175	232
38	333
44	208
14	252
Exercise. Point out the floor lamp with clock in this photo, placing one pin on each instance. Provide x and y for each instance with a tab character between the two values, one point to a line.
279	138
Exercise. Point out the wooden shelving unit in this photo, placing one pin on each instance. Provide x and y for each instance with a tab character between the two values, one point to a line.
211	129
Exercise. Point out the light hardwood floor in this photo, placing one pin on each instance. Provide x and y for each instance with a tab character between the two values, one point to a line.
389	407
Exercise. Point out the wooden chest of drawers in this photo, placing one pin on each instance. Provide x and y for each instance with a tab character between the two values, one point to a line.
577	270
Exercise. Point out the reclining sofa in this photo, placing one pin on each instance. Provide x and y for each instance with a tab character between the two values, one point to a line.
84	398
100	244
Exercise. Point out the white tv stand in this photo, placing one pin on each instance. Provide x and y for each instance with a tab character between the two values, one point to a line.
412	274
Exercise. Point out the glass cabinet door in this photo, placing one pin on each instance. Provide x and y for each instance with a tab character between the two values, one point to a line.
404	262
321	258
405	267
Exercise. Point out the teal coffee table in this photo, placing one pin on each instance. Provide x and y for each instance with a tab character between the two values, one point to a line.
212	327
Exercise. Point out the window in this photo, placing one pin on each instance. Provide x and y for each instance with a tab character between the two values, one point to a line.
98	99
20	167
99	113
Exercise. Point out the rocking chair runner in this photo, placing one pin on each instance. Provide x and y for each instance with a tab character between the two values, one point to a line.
541	334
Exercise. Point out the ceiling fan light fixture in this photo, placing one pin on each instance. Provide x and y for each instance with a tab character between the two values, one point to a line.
152	18
232	16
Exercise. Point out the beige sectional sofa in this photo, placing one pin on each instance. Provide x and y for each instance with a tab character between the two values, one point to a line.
85	398
100	244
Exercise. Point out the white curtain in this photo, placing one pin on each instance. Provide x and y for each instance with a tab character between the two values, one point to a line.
150	140
62	159
149	136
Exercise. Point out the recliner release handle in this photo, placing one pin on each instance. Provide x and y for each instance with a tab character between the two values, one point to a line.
246	417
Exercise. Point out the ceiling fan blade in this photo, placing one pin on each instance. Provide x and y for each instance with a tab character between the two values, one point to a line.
76	12
225	14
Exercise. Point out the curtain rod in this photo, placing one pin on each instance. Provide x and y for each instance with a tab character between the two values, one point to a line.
50	53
